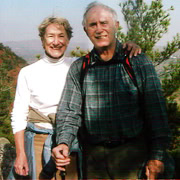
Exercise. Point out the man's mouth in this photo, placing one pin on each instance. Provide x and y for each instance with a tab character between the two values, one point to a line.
101	37
56	48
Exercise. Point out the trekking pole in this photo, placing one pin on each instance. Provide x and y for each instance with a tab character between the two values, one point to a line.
63	175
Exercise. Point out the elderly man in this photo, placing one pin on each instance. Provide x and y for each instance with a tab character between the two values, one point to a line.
121	124
38	93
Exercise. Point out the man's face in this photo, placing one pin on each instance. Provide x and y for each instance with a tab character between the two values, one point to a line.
100	27
55	41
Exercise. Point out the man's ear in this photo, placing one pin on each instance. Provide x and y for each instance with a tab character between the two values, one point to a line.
85	30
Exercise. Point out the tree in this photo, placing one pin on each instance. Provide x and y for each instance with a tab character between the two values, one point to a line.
171	78
10	65
38	56
5	100
78	52
146	24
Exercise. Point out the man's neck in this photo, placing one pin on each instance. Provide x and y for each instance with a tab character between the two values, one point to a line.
106	53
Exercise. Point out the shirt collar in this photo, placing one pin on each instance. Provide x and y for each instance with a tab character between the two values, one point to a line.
117	57
49	60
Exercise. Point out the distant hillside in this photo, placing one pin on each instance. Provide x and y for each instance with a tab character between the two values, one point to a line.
10	65
28	49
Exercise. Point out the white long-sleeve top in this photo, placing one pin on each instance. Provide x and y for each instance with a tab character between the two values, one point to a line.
39	86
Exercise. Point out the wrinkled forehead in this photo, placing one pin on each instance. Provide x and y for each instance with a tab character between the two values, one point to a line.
98	11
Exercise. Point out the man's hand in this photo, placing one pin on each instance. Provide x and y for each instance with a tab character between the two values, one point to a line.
133	48
153	168
60	155
21	165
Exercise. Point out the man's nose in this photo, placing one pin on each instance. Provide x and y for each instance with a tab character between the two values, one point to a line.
99	28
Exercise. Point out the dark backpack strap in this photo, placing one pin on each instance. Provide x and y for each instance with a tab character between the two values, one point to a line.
84	69
128	67
126	63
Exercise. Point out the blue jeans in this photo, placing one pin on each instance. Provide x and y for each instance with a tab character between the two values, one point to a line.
49	167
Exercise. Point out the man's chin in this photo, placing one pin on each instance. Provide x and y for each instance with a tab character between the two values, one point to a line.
102	45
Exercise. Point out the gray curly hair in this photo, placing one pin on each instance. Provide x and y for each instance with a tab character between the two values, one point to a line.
57	20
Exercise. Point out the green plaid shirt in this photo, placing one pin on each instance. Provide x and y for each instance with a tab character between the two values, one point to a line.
108	107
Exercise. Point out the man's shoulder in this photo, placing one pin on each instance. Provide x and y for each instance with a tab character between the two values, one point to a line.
140	60
77	62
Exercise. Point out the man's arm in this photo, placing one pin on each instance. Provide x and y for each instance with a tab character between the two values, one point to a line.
155	116
155	112
68	118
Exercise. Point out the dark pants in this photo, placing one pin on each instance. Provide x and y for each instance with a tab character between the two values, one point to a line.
114	162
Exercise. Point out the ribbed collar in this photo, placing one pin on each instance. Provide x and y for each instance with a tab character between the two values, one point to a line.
52	61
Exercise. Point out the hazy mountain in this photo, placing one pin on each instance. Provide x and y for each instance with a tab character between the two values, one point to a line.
28	49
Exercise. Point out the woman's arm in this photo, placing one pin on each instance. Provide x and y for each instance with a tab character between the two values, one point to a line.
21	164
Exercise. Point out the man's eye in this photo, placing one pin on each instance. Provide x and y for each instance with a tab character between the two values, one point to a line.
104	22
92	24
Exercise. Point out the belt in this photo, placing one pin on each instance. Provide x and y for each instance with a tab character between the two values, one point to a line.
116	143
96	141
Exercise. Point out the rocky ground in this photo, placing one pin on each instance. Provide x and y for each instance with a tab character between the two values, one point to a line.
7	155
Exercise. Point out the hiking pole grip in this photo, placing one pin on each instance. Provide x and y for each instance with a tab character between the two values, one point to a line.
62	173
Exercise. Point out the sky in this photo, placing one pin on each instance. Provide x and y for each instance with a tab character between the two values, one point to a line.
19	19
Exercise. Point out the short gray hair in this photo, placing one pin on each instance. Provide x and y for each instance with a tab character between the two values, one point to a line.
94	4
56	20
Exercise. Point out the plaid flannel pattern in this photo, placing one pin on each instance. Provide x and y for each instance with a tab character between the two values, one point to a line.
111	105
